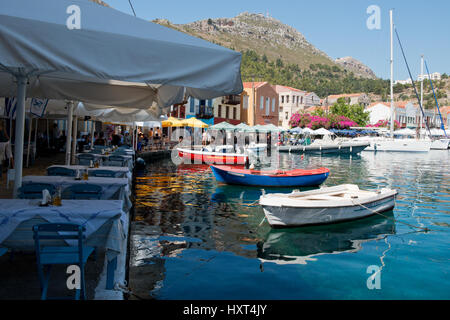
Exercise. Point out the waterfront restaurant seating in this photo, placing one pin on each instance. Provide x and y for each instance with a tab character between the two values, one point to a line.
103	173
115	161
47	256
83	192
34	190
85	159
61	171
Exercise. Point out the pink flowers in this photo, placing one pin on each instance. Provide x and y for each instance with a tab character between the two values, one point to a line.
384	124
315	122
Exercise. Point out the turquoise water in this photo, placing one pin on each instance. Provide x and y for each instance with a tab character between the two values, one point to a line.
195	239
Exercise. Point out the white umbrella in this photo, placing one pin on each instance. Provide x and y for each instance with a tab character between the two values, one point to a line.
70	44
296	130
405	132
322	132
308	130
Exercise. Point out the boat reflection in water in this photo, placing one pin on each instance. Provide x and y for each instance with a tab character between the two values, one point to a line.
300	245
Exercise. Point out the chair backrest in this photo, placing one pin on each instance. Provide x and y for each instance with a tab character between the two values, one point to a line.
86	156
34	190
49	232
85	159
115	161
83	191
102	173
61	171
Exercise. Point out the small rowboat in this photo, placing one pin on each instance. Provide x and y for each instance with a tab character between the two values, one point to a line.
273	178
199	157
325	205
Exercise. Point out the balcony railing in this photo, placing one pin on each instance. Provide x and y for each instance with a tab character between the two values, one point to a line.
233	100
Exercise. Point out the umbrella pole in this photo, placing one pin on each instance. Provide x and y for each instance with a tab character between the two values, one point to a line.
69	131
20	124
92	133
74	138
35	134
29	141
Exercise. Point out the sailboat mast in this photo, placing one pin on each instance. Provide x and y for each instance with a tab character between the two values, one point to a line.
392	76
421	91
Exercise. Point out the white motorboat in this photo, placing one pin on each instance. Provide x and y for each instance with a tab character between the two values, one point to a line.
396	145
440	144
325	205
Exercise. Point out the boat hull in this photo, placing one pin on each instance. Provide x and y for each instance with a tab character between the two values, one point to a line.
282	217
345	148
399	145
239	178
200	157
441	144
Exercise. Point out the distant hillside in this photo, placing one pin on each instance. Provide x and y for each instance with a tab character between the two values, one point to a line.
357	67
266	35
100	2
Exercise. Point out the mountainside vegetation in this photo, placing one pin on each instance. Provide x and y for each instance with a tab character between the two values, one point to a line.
322	79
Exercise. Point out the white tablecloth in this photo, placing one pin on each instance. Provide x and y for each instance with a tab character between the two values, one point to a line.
112	188
123	170
105	221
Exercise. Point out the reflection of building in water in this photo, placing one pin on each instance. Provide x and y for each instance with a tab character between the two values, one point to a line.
298	246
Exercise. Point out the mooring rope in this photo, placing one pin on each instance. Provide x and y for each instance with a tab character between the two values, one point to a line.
387	217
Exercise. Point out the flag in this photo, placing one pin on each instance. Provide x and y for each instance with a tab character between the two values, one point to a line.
37	106
10	107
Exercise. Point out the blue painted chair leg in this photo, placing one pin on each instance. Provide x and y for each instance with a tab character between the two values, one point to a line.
111	268
45	281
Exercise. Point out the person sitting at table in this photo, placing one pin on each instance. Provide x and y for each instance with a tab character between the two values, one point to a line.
115	139
100	141
127	139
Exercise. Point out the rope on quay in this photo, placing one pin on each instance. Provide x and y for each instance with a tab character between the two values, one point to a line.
407	224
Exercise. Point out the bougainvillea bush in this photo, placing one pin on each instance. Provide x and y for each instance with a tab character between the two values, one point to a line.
384	124
305	120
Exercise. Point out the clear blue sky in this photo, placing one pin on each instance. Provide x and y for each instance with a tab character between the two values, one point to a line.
336	27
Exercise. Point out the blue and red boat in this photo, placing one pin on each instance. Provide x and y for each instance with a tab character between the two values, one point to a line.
272	178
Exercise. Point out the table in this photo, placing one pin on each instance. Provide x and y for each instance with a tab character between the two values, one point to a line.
124	172
105	221
112	188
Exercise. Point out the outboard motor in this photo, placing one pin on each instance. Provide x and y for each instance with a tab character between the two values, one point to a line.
140	164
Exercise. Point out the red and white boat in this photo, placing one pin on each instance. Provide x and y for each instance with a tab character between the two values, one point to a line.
208	157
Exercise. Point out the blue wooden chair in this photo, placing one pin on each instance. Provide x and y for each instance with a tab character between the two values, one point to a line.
99	147
83	191
119	152
34	190
85	159
61	171
3	251
51	254
103	173
96	151
115	161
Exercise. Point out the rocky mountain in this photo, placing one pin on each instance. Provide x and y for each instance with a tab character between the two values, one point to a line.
357	67
264	35
100	2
